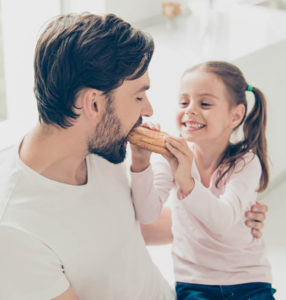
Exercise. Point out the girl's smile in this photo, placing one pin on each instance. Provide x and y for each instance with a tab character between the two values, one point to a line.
193	126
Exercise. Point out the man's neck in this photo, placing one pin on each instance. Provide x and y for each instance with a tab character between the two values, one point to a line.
58	154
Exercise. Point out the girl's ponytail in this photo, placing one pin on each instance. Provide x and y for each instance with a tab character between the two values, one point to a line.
254	129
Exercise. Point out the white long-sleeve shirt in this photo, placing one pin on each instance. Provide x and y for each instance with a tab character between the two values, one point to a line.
212	245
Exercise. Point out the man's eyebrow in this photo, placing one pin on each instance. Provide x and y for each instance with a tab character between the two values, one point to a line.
143	89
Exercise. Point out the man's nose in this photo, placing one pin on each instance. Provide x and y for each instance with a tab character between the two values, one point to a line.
147	109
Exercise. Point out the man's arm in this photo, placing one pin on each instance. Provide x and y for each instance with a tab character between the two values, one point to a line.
69	294
160	233
29	267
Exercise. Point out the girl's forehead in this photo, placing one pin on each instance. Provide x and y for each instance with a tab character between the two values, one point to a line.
200	75
200	79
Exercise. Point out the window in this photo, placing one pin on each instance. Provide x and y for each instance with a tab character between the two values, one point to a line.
2	84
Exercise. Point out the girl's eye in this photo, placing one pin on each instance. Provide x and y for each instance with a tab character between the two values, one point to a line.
183	103
139	98
205	104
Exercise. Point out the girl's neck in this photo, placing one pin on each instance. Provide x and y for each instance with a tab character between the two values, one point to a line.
207	159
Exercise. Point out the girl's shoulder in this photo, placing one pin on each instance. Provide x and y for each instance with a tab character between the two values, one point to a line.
247	169
249	163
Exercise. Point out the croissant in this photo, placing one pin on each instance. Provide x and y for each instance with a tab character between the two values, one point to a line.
149	139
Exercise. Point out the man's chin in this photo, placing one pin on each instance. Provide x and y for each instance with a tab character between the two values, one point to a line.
115	157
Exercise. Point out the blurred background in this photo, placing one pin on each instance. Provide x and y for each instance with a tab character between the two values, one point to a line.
250	33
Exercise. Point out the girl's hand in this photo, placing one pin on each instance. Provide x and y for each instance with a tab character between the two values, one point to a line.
181	163
140	156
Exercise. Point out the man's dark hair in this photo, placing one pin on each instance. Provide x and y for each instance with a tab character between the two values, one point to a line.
78	51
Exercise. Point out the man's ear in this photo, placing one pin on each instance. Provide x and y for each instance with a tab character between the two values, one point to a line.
92	104
237	114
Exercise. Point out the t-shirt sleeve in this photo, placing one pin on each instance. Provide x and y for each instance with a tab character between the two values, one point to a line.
29	269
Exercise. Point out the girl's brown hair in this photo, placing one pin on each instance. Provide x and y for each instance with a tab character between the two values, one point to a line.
254	124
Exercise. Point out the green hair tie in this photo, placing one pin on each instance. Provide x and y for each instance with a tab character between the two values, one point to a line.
249	88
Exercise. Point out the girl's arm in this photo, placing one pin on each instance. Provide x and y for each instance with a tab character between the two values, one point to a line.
220	213
150	191
160	232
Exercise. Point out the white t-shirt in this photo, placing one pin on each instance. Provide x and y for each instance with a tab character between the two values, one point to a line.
53	235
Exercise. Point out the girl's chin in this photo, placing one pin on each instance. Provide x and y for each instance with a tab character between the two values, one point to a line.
188	137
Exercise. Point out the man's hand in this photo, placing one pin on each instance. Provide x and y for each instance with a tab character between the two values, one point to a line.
256	217
140	156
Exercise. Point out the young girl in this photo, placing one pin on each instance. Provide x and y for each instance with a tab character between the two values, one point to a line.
215	182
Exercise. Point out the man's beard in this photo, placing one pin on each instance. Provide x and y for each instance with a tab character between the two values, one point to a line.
109	142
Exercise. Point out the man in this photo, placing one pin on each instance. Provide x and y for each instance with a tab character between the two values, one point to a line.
67	225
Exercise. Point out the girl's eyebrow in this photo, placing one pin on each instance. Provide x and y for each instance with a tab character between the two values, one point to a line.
208	95
183	95
202	94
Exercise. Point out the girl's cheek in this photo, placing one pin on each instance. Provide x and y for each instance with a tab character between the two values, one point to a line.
179	116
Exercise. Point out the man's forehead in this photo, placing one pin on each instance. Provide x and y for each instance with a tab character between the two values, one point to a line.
138	85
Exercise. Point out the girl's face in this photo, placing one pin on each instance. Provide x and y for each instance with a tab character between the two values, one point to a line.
204	114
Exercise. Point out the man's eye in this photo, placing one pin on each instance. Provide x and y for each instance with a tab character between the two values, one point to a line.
139	98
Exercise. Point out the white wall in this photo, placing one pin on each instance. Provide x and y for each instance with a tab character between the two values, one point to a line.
22	21
266	69
259	48
134	11
93	6
130	10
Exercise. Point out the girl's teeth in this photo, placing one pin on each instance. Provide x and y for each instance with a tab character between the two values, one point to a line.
194	125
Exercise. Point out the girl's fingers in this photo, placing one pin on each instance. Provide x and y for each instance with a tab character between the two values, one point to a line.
177	153
181	145
150	125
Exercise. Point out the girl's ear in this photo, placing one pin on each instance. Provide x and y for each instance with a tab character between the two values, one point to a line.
237	114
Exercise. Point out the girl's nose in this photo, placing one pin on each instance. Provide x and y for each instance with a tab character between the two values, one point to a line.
191	109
